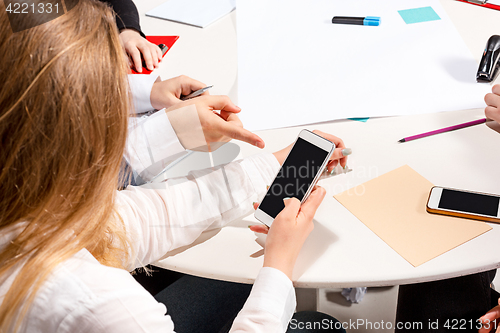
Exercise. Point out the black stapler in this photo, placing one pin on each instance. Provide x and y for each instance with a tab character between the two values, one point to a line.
488	67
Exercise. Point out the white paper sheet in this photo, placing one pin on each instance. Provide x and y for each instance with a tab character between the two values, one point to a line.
295	67
199	13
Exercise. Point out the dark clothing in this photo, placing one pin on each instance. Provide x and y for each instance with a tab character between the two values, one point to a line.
452	305
210	306
127	16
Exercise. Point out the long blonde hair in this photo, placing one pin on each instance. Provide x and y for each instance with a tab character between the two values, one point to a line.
63	116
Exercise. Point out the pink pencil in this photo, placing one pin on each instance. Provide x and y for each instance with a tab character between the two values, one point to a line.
442	130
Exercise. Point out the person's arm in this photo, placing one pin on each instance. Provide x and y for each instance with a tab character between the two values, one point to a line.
155	141
270	306
141	87
152	142
162	219
133	39
165	216
127	16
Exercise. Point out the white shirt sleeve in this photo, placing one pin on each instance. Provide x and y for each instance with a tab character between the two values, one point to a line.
161	217
165	216
270	306
140	86
152	144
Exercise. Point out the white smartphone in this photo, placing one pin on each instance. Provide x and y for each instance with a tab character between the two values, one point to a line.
467	204
298	175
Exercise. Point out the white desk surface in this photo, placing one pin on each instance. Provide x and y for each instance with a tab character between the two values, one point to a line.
342	251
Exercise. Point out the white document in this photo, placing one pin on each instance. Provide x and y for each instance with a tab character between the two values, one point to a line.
295	67
199	13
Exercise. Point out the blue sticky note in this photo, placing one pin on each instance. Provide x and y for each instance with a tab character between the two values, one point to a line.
417	15
359	119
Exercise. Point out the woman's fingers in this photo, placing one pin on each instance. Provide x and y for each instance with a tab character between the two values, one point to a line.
340	153
261	229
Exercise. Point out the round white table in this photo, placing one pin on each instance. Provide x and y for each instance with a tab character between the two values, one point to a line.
342	251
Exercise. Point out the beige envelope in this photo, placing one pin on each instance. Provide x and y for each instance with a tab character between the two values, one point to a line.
393	207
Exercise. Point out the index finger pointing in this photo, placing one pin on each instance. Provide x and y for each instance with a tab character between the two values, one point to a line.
239	133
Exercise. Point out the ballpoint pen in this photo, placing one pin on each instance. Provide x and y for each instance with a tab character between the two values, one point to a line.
195	93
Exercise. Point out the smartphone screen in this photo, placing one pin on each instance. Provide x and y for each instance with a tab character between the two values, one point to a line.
296	175
469	202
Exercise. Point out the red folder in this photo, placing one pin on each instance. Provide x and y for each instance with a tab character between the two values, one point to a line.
486	5
167	40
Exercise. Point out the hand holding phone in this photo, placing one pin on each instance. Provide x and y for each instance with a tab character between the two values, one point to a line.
466	204
298	175
290	230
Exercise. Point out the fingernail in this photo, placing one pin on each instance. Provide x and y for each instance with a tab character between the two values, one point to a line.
253	203
249	226
259	144
267	187
346	151
345	168
332	172
286	198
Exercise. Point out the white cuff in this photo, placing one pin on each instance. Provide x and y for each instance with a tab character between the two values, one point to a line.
141	86
273	292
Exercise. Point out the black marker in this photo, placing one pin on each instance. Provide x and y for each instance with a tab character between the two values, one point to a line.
369	20
163	48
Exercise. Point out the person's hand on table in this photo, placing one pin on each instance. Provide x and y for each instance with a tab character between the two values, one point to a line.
492	111
489	320
165	94
135	44
218	127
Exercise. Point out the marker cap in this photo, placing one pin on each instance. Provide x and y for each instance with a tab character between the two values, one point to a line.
371	20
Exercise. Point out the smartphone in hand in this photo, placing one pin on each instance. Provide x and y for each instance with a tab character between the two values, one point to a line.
298	175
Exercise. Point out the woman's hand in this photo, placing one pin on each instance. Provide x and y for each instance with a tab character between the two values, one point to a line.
135	44
339	155
165	94
289	231
489	319
217	127
492	111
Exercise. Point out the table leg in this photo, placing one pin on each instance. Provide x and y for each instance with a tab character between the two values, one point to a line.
307	299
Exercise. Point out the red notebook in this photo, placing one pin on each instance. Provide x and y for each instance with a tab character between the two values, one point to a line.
167	40
486	5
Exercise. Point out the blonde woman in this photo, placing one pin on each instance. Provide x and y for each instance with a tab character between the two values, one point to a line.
67	237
